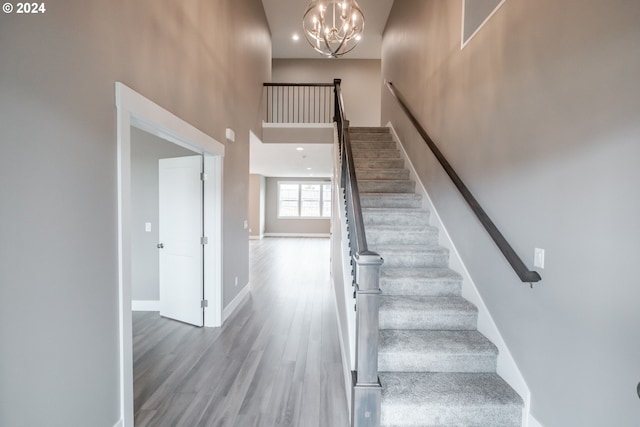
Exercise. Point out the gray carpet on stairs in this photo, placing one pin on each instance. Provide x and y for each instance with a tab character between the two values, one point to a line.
436	369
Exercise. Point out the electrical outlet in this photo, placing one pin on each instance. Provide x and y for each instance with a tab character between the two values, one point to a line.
147	227
246	224
538	257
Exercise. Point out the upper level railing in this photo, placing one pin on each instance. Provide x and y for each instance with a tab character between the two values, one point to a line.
366	388
514	260
299	102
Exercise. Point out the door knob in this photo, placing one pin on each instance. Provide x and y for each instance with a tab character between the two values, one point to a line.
160	246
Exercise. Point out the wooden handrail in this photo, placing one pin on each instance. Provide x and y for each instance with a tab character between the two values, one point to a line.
514	260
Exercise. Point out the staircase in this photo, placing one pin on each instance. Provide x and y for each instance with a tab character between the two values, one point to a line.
436	369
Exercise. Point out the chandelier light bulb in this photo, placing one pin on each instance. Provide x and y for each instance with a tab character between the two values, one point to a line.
337	35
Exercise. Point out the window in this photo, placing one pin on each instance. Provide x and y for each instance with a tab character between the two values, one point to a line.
304	199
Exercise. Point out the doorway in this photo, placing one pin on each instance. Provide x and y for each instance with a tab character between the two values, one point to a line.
136	111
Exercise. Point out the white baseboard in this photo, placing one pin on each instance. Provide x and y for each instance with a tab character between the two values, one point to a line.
233	305
141	305
321	235
120	423
256	237
507	367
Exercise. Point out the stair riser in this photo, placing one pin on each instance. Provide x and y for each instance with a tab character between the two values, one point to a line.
413	237
441	321
418	287
431	415
386	186
376	154
415	259
360	137
425	362
365	163
369	129
413	217
358	146
397	174
388	201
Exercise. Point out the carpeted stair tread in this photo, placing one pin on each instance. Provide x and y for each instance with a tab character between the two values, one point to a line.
376	144
424	312
420	281
382	174
386	186
378	163
413	255
408	216
377	154
386	234
368	129
390	200
435	351
473	399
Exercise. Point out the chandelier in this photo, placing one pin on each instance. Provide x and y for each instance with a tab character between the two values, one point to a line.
333	27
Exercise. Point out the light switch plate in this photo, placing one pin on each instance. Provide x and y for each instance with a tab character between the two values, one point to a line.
147	227
538	258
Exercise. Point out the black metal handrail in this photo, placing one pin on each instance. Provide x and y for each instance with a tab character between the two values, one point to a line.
299	102
514	260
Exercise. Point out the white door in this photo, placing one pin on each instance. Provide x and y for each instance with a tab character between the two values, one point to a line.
180	246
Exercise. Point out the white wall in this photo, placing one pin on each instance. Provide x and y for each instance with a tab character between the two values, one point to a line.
203	61
539	116
360	83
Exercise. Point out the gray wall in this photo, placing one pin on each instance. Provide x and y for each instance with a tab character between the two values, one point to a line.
257	202
146	150
360	80
539	115
302	226
203	61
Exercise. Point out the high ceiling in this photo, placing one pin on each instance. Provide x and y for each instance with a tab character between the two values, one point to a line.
285	20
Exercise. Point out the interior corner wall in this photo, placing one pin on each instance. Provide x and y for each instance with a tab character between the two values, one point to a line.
59	320
360	82
256	205
146	150
286	226
539	116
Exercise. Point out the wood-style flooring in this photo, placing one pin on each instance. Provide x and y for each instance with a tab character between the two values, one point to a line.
275	362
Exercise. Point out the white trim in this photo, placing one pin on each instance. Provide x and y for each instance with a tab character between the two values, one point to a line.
319	235
233	305
507	367
133	109
120	423
145	305
464	42
256	237
532	422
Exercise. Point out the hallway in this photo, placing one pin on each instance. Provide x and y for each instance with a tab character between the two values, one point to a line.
275	362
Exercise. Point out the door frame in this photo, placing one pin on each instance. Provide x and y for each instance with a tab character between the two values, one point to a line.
133	109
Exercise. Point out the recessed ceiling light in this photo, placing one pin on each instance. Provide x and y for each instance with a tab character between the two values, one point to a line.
308	169
300	149
295	37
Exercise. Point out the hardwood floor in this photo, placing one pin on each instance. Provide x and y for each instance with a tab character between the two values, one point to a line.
275	362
